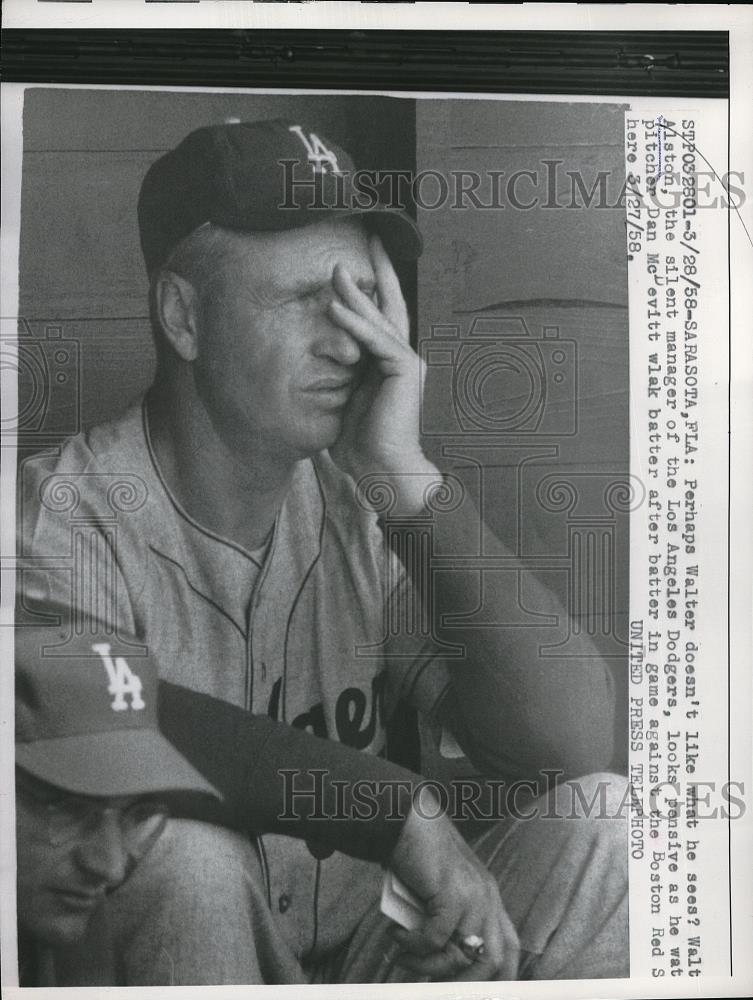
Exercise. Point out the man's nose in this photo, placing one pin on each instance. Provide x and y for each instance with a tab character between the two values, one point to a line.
103	854
335	343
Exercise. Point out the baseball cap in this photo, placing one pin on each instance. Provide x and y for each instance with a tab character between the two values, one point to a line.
262	176
86	715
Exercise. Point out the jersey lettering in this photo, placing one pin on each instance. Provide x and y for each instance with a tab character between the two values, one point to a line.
352	726
122	680
316	151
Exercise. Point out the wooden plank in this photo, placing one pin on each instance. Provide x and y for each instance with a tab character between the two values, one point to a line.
470	394
568	251
515	124
80	253
74	375
481	256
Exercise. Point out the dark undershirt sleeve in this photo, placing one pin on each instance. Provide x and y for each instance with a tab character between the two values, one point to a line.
278	779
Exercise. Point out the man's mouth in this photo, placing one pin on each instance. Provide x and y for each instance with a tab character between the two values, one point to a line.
332	392
331	384
81	901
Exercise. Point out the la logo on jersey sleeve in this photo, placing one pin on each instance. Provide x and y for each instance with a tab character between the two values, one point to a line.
122	680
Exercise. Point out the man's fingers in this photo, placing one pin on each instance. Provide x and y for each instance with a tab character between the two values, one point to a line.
438	963
385	335
354	297
433	936
438	956
510	949
499	961
492	969
391	300
442	965
501	955
452	963
502	952
383	345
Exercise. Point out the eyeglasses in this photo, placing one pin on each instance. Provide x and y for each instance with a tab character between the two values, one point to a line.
69	818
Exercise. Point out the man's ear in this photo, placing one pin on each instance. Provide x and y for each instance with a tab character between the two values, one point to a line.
176	303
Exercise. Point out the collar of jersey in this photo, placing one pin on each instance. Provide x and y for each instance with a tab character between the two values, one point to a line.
293	550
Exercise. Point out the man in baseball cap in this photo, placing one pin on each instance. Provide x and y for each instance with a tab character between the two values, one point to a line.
261	177
92	771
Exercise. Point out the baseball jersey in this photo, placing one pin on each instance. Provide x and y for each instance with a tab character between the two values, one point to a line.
298	634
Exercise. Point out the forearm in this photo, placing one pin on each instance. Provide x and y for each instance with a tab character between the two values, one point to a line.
355	802
514	711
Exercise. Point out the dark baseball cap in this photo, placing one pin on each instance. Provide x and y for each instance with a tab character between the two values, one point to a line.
86	715
263	176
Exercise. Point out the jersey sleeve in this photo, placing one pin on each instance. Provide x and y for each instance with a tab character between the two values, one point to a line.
340	798
72	522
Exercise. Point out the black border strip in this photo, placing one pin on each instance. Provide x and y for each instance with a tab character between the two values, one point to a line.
660	63
729	543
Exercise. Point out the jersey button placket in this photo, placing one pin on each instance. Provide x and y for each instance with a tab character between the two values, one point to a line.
249	671
284	903
254	651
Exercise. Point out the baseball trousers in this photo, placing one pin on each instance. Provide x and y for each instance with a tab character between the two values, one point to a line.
196	911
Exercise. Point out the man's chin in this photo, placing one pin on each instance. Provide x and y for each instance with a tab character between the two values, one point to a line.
60	930
321	434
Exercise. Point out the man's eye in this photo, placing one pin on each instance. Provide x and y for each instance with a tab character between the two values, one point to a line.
75	808
311	295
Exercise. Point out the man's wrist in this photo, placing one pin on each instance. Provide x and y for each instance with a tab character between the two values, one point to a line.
411	488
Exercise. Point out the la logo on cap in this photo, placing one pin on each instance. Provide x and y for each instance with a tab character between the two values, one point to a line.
122	680
316	151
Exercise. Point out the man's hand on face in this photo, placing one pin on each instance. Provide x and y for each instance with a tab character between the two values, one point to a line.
380	431
459	895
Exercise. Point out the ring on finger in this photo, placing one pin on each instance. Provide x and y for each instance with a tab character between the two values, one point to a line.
471	945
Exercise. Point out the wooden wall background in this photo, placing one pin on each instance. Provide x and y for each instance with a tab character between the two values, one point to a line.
557	492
